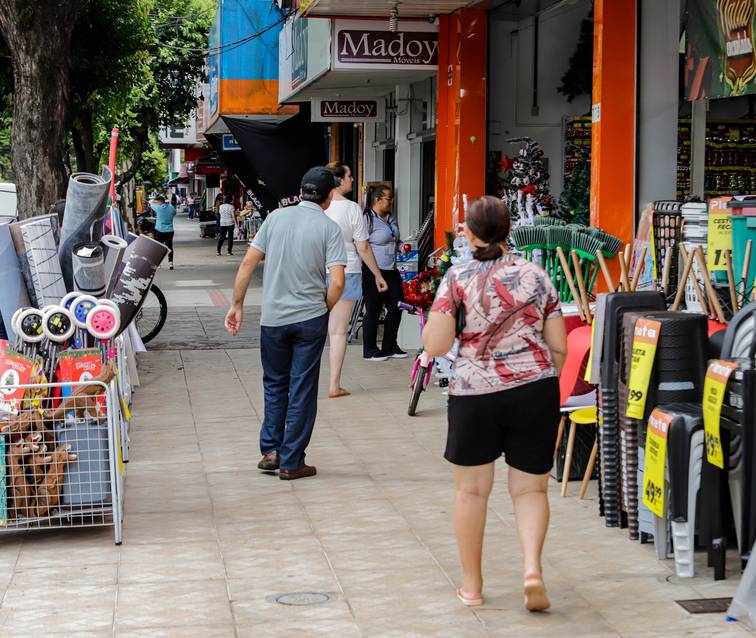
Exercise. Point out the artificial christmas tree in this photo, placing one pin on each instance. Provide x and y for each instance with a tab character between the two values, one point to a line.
526	183
575	202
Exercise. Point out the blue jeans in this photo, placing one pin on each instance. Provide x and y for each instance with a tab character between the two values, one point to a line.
291	369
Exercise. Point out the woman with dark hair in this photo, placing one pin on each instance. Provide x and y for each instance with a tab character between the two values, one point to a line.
384	241
351	221
504	395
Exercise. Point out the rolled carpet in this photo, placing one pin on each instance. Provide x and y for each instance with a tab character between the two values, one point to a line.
14	294
140	262
86	201
36	244
114	248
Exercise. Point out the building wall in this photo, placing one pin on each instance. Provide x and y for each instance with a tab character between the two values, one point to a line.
511	82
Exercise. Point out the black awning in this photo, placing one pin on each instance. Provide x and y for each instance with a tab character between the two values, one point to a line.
281	153
236	162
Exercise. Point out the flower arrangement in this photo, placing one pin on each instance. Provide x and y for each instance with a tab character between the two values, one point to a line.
421	290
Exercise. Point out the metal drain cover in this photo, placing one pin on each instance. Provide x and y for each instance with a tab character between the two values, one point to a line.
705	605
303	598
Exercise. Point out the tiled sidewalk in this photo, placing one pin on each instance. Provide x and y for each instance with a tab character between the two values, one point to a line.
209	541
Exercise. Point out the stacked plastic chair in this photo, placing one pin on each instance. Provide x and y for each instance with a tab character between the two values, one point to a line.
617	304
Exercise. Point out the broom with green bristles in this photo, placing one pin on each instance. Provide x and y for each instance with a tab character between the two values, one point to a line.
529	239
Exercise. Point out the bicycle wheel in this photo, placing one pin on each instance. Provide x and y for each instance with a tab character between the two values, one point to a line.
152	315
417	388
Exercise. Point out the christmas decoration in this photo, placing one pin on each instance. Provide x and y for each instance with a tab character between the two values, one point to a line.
578	79
575	202
525	183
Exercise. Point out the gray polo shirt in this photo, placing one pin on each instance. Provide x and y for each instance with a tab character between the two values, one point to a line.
300	243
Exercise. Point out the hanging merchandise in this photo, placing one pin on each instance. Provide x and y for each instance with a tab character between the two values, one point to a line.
85	210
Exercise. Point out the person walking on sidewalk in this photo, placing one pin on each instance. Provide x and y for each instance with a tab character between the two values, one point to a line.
227	224
384	241
350	219
164	214
299	244
504	395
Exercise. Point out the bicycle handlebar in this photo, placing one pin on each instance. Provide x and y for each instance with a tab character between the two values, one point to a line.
407	308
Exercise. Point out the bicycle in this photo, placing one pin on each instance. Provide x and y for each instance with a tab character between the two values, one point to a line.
422	368
151	316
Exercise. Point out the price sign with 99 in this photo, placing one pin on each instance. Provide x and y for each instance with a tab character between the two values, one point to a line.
715	385
719	238
656	461
644	350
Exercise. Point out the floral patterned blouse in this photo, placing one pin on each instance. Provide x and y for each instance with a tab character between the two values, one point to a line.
506	303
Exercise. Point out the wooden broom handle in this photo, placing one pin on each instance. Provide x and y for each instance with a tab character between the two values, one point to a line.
666	270
731	282
713	298
697	286
568	275
638	269
605	271
581	287
681	284
624	281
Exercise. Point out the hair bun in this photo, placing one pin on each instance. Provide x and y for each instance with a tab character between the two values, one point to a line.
488	253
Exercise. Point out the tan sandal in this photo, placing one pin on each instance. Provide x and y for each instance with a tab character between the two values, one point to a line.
469	600
341	392
535	593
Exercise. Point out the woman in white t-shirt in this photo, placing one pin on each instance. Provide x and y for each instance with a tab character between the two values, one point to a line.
350	219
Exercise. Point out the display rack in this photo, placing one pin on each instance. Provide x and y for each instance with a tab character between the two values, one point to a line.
61	462
577	138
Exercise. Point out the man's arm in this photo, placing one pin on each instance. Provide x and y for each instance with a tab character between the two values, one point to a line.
243	276
364	250
335	286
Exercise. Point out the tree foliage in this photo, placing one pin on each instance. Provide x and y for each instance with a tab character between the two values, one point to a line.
578	79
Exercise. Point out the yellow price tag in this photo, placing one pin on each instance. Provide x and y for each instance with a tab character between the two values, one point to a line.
589	365
713	396
720	233
656	461
644	350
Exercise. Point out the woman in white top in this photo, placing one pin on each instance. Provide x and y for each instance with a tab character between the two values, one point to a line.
350	219
227	224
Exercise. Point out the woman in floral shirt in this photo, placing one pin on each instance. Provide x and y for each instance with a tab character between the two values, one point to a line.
504	396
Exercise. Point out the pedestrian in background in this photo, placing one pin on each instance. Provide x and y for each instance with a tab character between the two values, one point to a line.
190	205
164	214
504	395
216	207
299	244
350	219
227	224
384	241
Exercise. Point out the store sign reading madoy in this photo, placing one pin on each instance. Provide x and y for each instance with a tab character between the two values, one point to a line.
362	110
406	48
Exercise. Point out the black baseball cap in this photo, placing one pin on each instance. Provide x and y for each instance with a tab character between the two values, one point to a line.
318	181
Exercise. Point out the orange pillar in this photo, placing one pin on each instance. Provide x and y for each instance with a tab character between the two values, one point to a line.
460	114
613	131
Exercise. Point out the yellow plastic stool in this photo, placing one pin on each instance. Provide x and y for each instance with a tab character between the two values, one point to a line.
584	416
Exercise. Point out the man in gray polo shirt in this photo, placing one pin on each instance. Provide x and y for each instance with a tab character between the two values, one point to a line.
299	244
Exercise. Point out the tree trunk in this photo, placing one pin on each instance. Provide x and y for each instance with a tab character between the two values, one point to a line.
38	35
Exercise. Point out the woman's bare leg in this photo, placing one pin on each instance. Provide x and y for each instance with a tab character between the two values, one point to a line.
531	507
338	324
472	486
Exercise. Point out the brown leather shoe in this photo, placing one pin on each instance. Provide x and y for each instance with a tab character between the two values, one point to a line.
269	462
302	472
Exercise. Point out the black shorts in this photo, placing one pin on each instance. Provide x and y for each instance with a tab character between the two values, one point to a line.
520	423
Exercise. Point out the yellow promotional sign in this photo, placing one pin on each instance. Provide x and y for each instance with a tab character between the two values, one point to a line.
720	233
713	396
656	461
644	350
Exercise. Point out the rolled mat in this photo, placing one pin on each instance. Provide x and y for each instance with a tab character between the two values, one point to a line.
86	201
140	262
88	263
36	244
14	294
114	248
